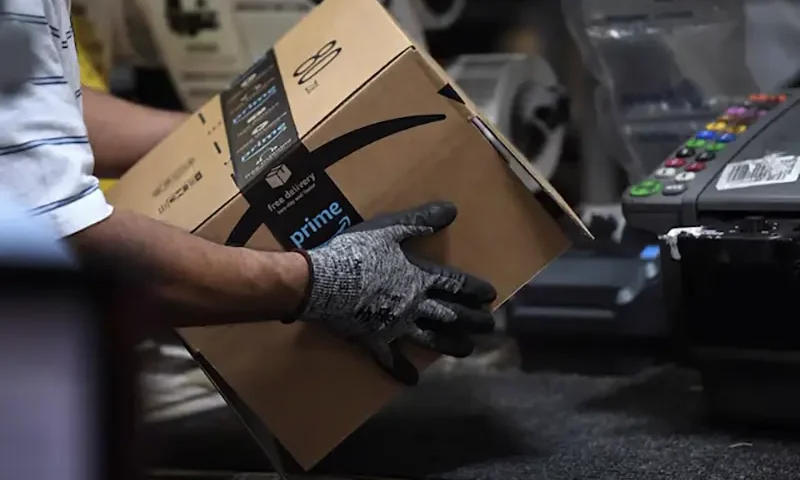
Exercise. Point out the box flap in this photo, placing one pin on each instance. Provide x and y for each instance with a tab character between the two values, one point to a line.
328	56
510	153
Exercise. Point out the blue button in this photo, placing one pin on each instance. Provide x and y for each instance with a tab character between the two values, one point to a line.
727	138
650	252
706	135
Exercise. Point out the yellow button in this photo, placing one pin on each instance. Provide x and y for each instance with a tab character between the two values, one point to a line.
716	126
738	129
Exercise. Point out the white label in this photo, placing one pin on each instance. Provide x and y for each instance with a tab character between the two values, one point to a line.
671	237
772	169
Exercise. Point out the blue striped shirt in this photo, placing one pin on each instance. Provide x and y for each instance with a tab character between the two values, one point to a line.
45	157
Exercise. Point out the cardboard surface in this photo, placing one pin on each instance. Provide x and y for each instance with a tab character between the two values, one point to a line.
345	119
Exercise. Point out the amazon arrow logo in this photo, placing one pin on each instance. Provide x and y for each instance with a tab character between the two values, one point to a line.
302	162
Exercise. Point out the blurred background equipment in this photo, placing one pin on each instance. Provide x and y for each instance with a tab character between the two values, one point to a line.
205	44
664	68
520	95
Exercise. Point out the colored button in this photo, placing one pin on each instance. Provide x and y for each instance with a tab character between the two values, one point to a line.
782	97
645	188
706	157
715	147
684	177
716	126
736	111
650	252
695	167
674	189
727	137
684	152
665	172
736	129
675	162
695	143
706	135
758	97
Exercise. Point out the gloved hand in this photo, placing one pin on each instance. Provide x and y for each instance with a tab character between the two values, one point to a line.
366	287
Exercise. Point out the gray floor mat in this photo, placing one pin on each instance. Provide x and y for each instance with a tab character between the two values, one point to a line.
514	426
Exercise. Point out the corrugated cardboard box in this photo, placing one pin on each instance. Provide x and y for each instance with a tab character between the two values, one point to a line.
344	119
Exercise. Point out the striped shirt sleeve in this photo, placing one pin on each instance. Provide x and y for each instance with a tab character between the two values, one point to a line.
45	156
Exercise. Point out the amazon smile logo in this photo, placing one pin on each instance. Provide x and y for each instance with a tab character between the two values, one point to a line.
322	211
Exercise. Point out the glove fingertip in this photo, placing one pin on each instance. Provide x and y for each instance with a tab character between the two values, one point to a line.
440	214
402	369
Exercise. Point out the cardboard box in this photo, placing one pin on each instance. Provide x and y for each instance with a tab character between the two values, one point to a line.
344	119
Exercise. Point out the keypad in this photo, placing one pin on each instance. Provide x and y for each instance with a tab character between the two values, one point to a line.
677	172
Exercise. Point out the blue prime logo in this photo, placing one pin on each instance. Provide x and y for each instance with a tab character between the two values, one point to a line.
330	214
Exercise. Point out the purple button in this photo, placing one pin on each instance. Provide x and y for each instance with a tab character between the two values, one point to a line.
736	111
761	113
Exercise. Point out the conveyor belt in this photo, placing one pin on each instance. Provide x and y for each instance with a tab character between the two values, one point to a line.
514	426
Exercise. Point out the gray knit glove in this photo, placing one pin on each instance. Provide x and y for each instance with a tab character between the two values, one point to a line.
365	287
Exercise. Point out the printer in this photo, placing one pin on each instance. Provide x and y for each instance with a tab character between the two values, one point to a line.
726	205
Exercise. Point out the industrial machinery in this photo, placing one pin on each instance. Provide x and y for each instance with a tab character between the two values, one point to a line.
190	21
727	206
205	44
728	287
519	94
743	163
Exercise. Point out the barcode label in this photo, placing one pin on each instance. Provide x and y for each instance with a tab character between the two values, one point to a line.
769	170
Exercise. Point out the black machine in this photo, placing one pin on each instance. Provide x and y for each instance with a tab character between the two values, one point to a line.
597	309
727	206
744	163
729	287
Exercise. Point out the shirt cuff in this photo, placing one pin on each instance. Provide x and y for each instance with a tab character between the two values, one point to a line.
81	213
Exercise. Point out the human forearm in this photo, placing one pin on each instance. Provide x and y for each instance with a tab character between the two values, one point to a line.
197	281
122	132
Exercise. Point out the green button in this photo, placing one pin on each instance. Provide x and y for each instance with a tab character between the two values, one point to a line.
645	188
715	147
695	143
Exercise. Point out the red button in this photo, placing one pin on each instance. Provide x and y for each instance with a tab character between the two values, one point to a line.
782	97
675	162
759	97
695	167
